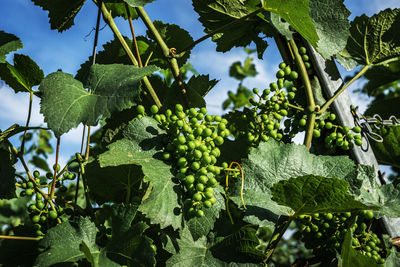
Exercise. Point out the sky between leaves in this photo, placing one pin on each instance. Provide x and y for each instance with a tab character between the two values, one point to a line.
66	51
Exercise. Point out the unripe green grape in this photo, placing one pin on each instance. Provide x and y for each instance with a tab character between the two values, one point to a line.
356	129
302	122
53	215
208	118
349	136
197	196
203	179
39	205
36	219
56	167
294	75
178	108
207	204
368	214
43	218
219	140
346	129
273	86
291	95
280	74
29	192
305	57
154	109
358	142
199	213
307	65
140	109
36	174
328	125
189	179
316	133
255	91
182	162
282	65
287	70
302	50
195	166
283	112
332	117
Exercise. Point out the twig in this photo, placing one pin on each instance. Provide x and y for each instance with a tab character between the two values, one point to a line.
53	185
133	36
27	122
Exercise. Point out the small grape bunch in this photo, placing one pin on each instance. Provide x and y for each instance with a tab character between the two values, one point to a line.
336	136
306	59
191	145
41	214
325	232
263	119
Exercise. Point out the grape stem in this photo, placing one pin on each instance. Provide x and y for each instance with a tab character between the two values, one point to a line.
109	20
133	35
13	237
310	96
27	122
277	237
166	52
330	101
53	185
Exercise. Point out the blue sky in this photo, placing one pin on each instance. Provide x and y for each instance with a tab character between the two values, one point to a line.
67	50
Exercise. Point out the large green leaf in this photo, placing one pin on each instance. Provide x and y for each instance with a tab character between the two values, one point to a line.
381	78
7	172
112	184
201	226
388	152
62	243
385	108
217	13
137	3
312	194
174	37
272	162
372	39
128	245
61	12
117	8
142	145
65	103
193	253
332	25
23	75
8	43
297	14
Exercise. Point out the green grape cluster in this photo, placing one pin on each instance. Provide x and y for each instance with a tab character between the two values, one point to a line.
191	145
306	59
325	232
263	119
41	213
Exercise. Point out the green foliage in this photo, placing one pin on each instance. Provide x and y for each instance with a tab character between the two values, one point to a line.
65	103
7	172
388	151
8	43
23	75
372	39
61	12
142	141
148	191
297	14
310	194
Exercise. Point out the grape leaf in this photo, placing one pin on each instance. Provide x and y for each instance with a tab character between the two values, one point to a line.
8	43
174	37
193	253
137	3
384	107
141	145
62	242
65	103
240	72
111	184
23	75
312	194
117	8
372	39
272	162
128	245
61	12
295	13
113	53
217	13
332	25
7	172
38	162
388	152
351	257
201	226
381	78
